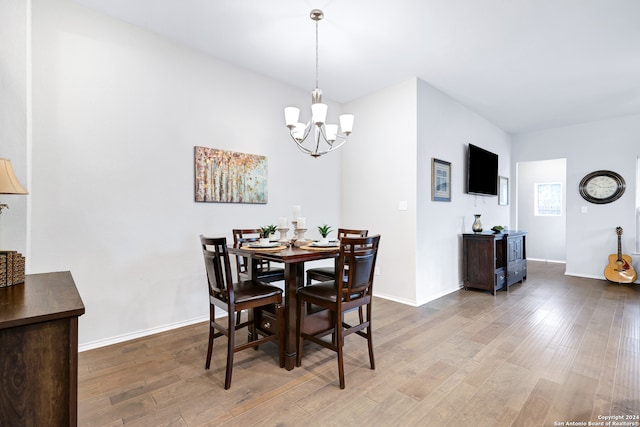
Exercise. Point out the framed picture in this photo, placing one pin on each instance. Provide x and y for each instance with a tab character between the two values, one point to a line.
503	190
229	177
440	180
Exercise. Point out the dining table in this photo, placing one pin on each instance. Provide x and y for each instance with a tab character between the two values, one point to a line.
293	258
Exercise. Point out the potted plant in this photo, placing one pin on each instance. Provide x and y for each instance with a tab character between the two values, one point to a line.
265	232
324	232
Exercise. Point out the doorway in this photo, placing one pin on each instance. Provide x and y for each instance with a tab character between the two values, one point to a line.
541	210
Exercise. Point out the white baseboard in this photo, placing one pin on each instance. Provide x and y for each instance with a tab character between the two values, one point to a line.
414	303
547	260
139	334
586	276
440	295
395	299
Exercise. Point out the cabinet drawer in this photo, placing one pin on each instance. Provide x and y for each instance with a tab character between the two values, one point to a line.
499	280
517	271
266	321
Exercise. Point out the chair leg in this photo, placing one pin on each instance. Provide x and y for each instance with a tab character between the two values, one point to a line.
339	345
370	337
212	331
252	334
231	342
281	332
299	326
238	317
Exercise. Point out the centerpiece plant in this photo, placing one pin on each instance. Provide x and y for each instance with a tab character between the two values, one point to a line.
324	230
267	231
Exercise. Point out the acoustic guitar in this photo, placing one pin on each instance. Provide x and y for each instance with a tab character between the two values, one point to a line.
619	269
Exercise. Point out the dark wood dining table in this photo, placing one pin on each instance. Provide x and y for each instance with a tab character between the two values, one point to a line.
293	259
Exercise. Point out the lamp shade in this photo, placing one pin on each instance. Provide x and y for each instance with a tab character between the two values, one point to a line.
291	115
9	183
319	113
346	123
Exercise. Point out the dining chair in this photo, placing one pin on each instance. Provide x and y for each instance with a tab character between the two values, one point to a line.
234	297
267	273
323	274
353	287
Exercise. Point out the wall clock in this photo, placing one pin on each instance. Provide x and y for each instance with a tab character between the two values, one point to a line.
602	187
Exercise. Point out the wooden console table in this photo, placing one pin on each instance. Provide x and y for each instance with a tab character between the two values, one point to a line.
39	351
493	261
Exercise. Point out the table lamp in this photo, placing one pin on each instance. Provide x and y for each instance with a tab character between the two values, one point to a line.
9	183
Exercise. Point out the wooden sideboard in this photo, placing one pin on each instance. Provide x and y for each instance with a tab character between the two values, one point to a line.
494	261
39	351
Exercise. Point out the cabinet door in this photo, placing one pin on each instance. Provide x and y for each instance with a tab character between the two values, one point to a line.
479	262
514	251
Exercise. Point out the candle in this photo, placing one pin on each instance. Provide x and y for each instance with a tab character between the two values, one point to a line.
296	212
282	222
302	222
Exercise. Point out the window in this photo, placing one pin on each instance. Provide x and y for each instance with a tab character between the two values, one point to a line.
548	199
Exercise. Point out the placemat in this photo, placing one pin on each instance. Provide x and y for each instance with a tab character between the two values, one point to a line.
320	248
273	249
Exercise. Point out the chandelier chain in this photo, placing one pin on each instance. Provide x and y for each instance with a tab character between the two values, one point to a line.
317	56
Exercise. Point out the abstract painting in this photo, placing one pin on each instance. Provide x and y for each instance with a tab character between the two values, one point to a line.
229	177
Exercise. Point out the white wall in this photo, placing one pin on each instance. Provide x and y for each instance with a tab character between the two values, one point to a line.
378	171
546	240
14	117
608	144
117	112
390	161
445	128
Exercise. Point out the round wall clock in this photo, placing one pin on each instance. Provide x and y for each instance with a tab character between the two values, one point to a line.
602	187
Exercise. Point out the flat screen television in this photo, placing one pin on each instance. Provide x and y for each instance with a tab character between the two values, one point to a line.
482	171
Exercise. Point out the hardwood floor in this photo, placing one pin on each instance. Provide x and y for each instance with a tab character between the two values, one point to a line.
556	349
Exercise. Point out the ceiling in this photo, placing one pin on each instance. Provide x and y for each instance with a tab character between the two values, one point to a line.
524	65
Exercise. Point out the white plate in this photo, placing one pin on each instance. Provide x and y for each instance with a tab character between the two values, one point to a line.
325	245
264	245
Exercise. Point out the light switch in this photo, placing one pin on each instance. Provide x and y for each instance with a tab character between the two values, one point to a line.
583	209
402	205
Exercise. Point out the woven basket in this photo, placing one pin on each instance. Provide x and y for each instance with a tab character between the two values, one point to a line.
12	266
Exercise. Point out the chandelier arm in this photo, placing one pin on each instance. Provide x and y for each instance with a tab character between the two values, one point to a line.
324	136
300	146
316	152
319	134
335	147
307	130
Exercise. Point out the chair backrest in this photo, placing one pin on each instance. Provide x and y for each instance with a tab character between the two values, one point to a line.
240	236
345	232
218	267
356	265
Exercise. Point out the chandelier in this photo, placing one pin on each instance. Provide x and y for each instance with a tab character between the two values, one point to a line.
325	135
